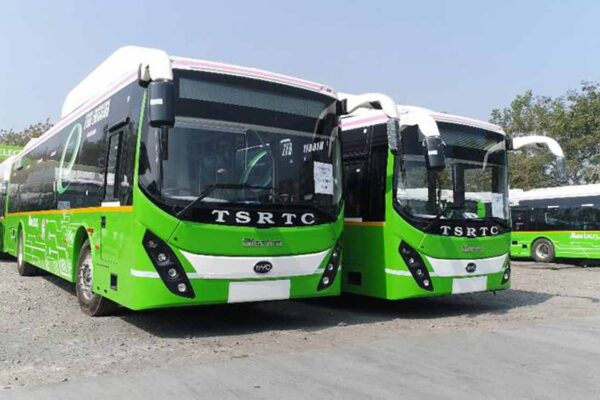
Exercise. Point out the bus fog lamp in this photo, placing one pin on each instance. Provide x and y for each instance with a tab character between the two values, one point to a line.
416	266
172	272
330	271
167	265
506	274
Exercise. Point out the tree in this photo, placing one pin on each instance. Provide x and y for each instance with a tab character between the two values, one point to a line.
572	119
20	138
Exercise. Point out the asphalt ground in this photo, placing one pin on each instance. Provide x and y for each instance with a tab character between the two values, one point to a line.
541	339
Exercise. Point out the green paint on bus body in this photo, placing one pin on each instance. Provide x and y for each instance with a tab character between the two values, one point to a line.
7	150
53	239
567	244
371	249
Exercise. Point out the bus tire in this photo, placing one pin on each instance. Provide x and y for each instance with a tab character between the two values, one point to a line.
91	303
23	267
542	251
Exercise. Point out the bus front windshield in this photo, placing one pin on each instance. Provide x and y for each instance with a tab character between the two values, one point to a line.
239	144
471	187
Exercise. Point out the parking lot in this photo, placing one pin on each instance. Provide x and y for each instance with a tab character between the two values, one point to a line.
539	339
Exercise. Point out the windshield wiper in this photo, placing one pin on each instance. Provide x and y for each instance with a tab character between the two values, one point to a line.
208	189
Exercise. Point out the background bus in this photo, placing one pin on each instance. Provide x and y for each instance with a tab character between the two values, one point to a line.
426	203
171	182
556	222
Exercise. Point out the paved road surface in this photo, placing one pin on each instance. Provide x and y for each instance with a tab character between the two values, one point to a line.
539	340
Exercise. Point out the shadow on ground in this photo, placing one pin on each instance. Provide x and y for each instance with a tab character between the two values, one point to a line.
312	314
318	314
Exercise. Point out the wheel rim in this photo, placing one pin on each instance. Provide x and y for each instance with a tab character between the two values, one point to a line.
543	251
86	270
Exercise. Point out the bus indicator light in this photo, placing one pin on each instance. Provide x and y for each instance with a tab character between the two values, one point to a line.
331	269
416	266
167	265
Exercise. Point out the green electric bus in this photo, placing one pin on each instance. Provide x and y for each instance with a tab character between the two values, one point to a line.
426	210
4	177
556	222
172	182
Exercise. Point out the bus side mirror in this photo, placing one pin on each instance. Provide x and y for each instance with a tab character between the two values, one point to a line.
162	108
434	153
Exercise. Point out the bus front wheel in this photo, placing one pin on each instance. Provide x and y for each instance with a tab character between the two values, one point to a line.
23	267
542	250
91	303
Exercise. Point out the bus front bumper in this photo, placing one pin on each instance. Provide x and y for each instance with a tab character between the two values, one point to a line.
148	292
451	276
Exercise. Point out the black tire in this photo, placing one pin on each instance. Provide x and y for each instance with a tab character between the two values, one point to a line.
23	267
542	251
91	303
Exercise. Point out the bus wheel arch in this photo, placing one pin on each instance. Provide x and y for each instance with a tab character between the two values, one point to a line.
23	267
91	303
78	240
543	250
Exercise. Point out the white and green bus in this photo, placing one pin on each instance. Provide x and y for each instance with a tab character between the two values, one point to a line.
556	222
426	203
172	182
4	178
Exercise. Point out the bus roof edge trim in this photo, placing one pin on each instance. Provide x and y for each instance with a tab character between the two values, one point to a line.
119	64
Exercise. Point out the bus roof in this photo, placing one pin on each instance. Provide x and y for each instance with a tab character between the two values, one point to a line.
517	195
366	117
124	63
122	67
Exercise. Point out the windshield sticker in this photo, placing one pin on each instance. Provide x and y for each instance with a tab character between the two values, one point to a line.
498	205
286	148
323	178
312	147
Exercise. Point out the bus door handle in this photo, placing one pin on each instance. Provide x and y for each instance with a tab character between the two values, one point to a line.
102	221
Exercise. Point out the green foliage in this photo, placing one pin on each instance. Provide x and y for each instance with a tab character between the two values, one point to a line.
20	138
572	119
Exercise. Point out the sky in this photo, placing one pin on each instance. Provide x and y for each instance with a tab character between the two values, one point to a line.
463	57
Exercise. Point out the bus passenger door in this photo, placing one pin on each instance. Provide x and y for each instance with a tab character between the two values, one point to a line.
113	225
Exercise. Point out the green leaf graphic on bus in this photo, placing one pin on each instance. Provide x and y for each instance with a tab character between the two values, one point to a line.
70	152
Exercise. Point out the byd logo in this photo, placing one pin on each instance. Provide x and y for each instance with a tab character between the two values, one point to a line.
471	268
263	267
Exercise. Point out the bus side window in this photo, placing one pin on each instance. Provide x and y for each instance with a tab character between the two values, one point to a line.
519	220
377	181
354	183
3	185
111	181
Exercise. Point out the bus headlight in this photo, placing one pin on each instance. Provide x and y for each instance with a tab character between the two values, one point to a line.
331	268
167	265
416	266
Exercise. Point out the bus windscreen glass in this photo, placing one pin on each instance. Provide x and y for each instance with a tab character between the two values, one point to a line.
239	144
467	189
